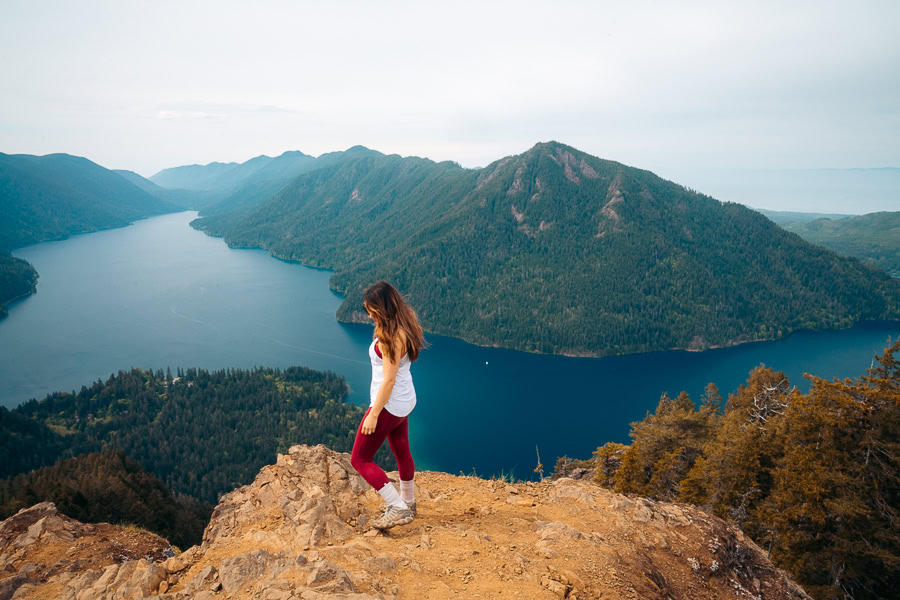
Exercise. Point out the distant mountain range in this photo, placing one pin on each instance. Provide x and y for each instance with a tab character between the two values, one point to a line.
218	188
874	238
554	250
782	217
808	190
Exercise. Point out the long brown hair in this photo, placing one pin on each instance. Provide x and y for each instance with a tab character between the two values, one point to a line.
390	313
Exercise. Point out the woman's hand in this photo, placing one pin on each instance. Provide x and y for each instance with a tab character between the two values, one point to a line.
369	423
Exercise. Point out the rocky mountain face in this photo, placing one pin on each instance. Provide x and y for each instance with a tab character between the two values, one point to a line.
299	531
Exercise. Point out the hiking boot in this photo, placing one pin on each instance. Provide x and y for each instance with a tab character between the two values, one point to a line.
393	516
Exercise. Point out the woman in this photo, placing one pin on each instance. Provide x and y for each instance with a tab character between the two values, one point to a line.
396	342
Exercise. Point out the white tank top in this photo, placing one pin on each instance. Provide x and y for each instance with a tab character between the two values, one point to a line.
403	396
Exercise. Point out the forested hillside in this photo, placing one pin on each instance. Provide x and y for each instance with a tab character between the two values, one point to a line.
51	197
814	478
108	487
183	199
237	187
17	278
202	433
558	251
874	238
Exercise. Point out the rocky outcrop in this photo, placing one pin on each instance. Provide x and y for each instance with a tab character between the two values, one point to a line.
43	551
299	532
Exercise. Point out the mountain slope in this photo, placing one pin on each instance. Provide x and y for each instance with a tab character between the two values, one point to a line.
184	199
262	184
873	238
200	177
112	487
558	251
54	196
219	188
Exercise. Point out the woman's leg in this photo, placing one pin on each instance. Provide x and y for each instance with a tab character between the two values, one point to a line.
398	438
366	445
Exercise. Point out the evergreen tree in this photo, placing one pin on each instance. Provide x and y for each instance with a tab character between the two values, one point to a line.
733	474
833	510
666	445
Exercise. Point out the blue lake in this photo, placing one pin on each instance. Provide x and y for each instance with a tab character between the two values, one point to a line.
160	294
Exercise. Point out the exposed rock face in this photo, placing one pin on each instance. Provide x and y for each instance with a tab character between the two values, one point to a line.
42	550
298	532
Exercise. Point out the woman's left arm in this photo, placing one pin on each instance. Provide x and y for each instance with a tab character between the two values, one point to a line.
389	369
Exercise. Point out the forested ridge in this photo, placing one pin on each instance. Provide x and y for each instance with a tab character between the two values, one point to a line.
873	238
109	487
813	478
558	251
202	433
51	197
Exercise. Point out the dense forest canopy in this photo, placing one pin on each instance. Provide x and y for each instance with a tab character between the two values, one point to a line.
203	433
109	487
873	238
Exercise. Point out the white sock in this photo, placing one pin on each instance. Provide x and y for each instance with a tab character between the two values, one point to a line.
390	495
407	490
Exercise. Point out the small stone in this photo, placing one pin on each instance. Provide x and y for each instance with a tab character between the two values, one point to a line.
554	586
382	562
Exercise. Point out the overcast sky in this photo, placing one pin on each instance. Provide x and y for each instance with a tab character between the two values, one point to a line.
674	87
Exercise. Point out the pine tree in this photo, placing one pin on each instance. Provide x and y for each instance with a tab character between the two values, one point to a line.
666	445
608	459
733	474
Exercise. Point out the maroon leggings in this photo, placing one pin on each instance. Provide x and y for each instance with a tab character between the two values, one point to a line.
396	430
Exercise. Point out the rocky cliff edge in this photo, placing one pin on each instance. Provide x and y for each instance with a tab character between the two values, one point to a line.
299	532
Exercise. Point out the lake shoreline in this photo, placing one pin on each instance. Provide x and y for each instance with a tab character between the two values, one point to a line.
591	355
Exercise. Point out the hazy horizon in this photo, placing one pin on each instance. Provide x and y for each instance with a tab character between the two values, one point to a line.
677	89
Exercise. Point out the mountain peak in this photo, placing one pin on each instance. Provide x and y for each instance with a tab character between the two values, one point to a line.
300	529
